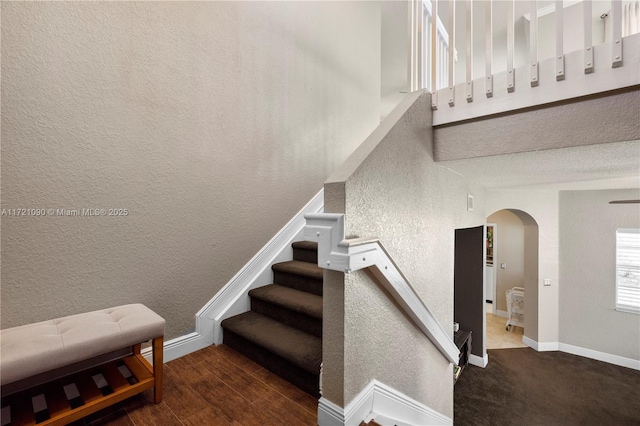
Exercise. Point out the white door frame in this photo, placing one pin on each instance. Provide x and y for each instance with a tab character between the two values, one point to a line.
495	264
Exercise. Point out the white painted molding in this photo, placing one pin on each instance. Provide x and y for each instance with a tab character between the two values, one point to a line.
584	352
576	84
540	346
348	255
178	347
548	346
382	403
601	356
503	314
479	361
530	342
361	407
329	414
233	298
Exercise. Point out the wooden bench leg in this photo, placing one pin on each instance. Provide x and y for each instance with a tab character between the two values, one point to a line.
157	368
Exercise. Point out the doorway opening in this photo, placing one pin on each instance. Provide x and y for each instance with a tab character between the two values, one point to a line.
514	264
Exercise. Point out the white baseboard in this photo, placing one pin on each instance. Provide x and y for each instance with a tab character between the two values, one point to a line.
382	403
479	361
530	342
584	352
548	346
601	356
178	347
330	414
503	314
540	346
233	298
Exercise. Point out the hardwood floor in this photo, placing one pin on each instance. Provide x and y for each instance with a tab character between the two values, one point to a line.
499	338
215	386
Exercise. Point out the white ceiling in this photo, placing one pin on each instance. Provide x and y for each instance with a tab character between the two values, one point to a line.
605	166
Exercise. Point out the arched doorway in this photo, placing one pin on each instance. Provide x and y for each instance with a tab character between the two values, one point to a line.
515	264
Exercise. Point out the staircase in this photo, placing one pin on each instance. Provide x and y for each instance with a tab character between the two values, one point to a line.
283	330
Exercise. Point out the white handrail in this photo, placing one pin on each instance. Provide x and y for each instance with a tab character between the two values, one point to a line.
349	255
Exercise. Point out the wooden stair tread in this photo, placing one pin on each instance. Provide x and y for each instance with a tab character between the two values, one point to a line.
297	347
290	298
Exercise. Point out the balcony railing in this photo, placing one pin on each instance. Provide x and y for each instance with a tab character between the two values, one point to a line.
546	55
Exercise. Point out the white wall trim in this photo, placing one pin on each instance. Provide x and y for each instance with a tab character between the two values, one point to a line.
329	414
576	84
540	346
361	407
530	342
548	346
379	401
479	361
503	314
584	352
601	356
348	255
178	347
233	298
383	403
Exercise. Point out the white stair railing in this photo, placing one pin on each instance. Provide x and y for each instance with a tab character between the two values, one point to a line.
593	69
353	254
429	68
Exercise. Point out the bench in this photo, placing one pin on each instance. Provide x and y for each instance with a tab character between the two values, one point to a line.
59	371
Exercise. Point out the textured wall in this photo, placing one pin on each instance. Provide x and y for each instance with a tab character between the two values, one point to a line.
588	318
611	118
213	123
510	250
395	191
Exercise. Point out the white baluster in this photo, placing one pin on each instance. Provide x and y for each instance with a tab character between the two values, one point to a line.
559	40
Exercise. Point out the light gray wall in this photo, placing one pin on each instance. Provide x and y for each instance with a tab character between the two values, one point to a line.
394	54
510	251
391	188
588	226
213	123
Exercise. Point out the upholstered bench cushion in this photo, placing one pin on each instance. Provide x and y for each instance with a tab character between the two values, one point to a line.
40	347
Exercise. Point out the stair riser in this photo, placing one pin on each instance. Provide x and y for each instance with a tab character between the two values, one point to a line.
291	318
298	282
299	377
309	256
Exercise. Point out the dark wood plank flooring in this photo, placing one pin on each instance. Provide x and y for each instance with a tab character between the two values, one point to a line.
214	386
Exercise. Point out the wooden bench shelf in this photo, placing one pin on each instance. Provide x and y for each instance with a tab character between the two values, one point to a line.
59	409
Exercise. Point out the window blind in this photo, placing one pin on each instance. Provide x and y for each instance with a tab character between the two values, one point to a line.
628	270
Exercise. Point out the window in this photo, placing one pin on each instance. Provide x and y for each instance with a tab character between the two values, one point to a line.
628	270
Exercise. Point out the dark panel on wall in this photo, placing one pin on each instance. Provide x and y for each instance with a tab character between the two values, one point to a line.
469	302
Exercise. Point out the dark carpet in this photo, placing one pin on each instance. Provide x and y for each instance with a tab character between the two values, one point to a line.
524	387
